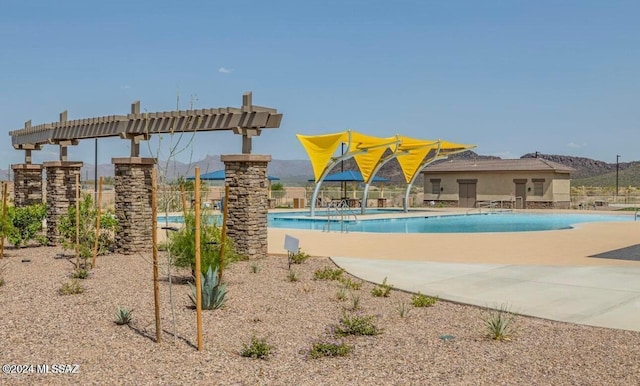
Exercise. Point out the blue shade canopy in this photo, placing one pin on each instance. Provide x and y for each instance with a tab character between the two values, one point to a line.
350	176
219	175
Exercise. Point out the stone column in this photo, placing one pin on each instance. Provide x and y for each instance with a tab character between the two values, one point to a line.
27	184
248	203
133	203
61	193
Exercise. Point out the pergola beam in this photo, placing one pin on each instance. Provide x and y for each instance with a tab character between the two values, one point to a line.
136	123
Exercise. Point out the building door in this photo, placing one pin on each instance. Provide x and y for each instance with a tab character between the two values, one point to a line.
521	193
466	194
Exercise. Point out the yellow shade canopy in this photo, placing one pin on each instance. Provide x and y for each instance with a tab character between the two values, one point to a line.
412	154
320	149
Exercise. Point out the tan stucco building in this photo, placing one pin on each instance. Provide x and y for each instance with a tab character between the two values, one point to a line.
526	183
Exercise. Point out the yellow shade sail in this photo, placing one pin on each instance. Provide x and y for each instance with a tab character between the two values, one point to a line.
320	149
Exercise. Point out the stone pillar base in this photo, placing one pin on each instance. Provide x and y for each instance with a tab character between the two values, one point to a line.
133	203
246	175
27	184
61	193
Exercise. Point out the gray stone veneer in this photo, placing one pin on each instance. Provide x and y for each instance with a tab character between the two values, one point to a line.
133	203
248	202
61	193
27	183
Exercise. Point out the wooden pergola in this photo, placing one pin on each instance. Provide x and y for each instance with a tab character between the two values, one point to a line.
247	120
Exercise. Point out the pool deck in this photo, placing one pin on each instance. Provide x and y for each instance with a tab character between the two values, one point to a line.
547	274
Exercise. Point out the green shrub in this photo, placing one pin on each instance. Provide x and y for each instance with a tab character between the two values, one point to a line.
350	284
123	316
328	274
213	293
87	229
80	273
498	323
356	325
382	290
298	257
25	224
292	276
402	309
341	294
420	300
257	349
255	268
71	287
355	301
323	348
182	245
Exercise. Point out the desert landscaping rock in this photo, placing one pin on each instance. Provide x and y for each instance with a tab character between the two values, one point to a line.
40	326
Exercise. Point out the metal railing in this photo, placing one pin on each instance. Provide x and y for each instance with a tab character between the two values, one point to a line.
492	206
341	212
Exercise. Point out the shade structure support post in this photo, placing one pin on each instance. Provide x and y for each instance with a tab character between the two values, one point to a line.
415	176
365	194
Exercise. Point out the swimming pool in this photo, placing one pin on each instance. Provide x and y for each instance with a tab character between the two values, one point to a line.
475	223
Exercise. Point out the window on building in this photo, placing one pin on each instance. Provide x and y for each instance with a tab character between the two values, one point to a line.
538	186
435	186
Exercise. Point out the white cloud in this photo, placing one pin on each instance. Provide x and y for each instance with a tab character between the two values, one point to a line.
574	145
126	87
224	70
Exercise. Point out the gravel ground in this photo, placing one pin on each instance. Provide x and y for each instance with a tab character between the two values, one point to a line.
40	326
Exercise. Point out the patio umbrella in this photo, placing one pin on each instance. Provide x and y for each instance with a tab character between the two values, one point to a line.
350	176
219	175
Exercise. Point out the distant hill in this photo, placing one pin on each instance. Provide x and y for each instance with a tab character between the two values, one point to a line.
588	172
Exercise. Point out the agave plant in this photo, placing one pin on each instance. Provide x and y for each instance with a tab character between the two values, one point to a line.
123	315
213	293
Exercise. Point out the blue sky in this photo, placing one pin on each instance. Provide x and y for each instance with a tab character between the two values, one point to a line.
512	77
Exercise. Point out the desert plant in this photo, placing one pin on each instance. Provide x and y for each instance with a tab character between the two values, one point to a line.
350	284
2	269
298	257
123	316
420	300
356	325
80	273
355	301
498	323
341	294
402	309
255	268
382	290
87	229
292	276
328	274
71	287
257	349
213	293
324	348
24	224
182	245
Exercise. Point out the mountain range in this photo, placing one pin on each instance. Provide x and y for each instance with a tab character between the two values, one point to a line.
588	172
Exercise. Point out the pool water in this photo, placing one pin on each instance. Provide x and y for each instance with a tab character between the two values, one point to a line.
475	223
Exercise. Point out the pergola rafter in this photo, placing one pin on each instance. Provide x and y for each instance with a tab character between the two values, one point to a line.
247	121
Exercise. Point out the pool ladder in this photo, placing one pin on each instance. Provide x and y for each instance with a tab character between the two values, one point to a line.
339	211
491	206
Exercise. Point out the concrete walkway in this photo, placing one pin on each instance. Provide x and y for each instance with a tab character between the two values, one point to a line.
605	296
557	275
